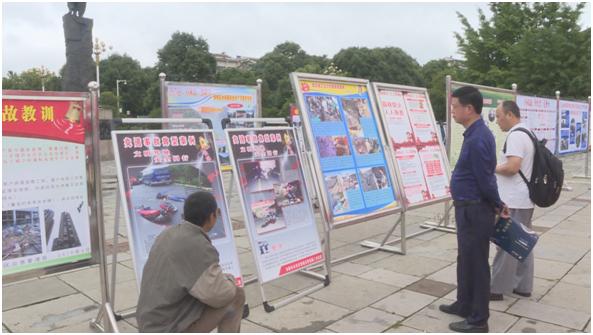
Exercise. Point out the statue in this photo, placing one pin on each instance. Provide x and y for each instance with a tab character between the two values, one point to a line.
78	33
76	8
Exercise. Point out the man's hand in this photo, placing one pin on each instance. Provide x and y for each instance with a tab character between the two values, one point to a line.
505	213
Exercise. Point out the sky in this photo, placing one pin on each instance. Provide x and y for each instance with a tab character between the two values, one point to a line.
32	33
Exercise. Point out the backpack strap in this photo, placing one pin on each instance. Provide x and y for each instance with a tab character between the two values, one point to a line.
533	139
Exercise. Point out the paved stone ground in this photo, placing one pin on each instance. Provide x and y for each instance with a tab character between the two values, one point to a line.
378	292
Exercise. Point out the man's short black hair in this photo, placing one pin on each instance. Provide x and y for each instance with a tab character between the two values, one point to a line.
511	106
198	207
469	95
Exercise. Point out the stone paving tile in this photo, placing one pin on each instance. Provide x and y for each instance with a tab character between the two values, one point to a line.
562	248
402	329
404	302
431	287
126	295
294	283
569	296
250	327
430	319
447	275
367	320
500	306
360	292
85	327
30	292
88	279
352	269
580	274
50	315
389	277
253	295
540	288
372	257
550	314
325	330
547	269
525	325
411	265
305	315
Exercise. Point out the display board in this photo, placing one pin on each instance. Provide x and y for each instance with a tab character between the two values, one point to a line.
417	149
278	213
573	126
492	97
213	102
357	180
157	170
541	116
46	219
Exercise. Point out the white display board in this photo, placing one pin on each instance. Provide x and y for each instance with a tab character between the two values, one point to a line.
573	126
541	116
418	152
157	170
278	213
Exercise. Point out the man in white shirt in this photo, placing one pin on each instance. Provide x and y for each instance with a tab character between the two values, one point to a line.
508	274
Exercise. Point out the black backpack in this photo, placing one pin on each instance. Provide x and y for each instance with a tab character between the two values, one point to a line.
547	175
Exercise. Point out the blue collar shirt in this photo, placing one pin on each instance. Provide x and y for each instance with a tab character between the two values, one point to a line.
473	177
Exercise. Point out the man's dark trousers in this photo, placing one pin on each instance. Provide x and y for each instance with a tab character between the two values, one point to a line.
475	225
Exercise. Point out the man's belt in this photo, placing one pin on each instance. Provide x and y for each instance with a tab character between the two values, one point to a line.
465	203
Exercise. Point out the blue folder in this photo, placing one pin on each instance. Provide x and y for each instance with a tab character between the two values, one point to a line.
514	238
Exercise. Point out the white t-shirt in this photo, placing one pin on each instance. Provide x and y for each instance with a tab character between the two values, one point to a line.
513	189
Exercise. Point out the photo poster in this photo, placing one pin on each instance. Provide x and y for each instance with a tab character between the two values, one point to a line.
214	102
492	97
573	126
541	116
278	213
418	150
343	130
157	170
45	197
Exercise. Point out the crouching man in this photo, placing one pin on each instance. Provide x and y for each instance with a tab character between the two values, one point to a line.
183	288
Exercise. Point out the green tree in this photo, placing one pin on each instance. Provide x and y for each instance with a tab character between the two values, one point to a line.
388	65
32	79
131	94
434	73
274	69
539	46
186	58
235	76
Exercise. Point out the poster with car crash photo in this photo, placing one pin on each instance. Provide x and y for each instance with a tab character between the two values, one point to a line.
574	125
157	170
278	213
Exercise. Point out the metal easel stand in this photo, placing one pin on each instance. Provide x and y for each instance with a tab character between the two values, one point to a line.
444	223
105	320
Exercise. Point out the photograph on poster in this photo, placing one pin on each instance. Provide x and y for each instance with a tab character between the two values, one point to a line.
261	175
267	215
578	135
64	235
564	140
353	122
331	146
572	130
341	187
565	119
365	146
374	178
158	193
21	233
324	108
356	106
288	193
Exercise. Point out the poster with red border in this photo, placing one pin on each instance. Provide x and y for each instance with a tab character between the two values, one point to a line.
278	213
419	153
45	197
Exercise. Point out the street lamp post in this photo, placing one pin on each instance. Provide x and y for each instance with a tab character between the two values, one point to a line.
43	72
117	91
98	48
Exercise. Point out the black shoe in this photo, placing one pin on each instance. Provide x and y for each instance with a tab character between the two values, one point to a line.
453	309
523	294
496	297
464	327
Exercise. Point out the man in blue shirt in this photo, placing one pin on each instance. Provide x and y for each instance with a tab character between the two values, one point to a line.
476	201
